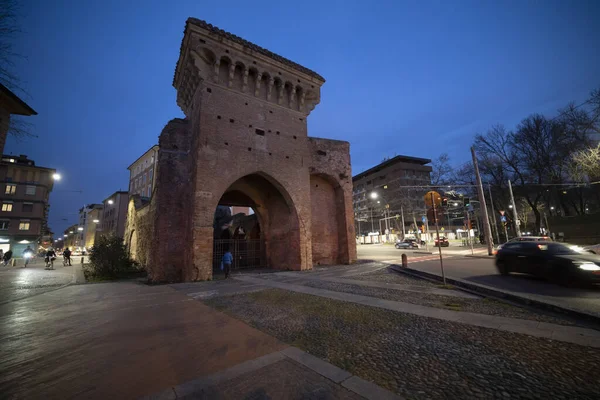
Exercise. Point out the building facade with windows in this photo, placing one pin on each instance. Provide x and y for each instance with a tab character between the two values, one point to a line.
399	184
89	220
24	198
142	173
71	238
114	214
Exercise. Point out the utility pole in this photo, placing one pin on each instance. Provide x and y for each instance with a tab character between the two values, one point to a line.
403	231
487	231
437	232
514	208
547	226
372	227
493	214
469	239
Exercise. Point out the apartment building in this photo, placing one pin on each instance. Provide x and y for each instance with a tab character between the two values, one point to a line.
89	220
390	188
142	173
114	214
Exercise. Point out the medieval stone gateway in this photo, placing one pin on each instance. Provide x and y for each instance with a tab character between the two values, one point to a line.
244	142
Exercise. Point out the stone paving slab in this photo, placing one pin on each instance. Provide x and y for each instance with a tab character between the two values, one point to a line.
287	374
583	336
117	340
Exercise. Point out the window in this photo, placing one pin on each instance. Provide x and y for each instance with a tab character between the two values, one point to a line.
10	189
149	191
144	180
28	207
7	207
30	190
24	226
4	225
150	175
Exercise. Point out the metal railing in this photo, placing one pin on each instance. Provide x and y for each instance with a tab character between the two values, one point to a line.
247	253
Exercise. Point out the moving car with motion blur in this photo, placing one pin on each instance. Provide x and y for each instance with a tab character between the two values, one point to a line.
407	244
559	262
525	239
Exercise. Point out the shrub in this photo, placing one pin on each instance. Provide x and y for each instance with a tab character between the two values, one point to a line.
109	258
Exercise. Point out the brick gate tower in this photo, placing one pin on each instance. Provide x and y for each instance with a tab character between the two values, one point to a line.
244	142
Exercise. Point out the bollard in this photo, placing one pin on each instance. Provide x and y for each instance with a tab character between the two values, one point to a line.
14	262
81	260
404	261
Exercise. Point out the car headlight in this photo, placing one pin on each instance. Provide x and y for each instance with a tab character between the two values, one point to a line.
588	266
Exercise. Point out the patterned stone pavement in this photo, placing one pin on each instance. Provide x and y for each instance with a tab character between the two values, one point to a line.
126	340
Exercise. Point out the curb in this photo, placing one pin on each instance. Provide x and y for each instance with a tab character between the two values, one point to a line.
476	256
422	252
499	294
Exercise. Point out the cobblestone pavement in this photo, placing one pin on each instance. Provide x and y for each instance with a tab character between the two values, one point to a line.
20	282
419	357
387	276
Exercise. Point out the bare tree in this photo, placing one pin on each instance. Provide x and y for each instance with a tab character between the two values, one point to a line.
19	127
441	170
9	29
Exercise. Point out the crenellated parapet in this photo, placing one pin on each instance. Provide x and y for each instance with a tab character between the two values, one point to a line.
220	58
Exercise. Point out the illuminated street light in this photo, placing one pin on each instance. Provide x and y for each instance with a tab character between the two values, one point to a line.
552	208
65	235
373	195
96	221
110	202
71	232
80	228
455	204
56	177
510	206
378	202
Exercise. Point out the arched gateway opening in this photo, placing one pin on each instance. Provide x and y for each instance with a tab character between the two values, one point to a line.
256	220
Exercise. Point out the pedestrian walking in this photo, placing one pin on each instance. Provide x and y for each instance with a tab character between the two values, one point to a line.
1	255
7	257
226	261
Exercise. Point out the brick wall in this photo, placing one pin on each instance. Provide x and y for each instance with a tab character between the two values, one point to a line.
331	169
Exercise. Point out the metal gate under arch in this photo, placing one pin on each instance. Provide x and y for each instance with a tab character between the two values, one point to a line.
247	253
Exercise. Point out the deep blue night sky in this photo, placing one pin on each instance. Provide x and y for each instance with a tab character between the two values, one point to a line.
405	77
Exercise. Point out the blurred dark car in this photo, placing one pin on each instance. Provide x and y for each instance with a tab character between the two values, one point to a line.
525	239
442	242
560	262
407	244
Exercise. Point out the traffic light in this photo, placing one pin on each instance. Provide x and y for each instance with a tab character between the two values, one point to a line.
444	202
466	202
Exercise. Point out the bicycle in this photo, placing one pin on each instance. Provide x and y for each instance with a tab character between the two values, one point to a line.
50	262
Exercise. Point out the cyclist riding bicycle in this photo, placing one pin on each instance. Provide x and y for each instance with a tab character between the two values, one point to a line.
50	257
27	254
67	257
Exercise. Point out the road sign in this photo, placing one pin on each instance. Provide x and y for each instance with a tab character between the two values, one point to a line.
424	219
442	229
518	223
502	212
503	218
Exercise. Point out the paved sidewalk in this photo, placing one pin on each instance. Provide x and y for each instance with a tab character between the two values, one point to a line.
582	336
127	340
20	282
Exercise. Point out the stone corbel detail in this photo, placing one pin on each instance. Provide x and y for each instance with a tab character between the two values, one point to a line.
280	94
271	83
216	74
302	95
245	85
231	72
258	80
293	97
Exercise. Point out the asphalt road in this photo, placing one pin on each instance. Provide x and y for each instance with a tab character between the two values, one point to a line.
483	271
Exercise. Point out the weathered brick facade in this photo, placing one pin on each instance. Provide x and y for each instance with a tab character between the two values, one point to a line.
244	142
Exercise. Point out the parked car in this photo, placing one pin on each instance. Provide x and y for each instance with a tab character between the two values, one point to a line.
443	242
407	244
559	262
